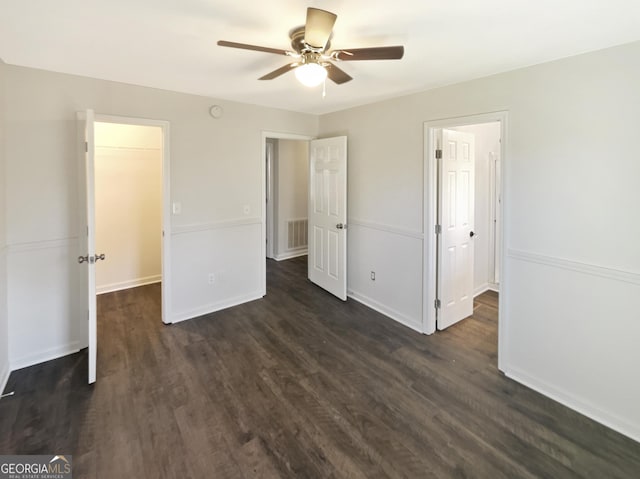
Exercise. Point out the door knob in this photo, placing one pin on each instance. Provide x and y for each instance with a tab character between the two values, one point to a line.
91	259
471	234
341	226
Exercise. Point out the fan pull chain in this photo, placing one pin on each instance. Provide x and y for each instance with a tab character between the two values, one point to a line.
324	88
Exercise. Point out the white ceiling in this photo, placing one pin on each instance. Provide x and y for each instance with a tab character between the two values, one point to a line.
171	44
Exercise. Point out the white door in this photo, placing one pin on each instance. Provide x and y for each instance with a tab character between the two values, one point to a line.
456	220
88	258
327	264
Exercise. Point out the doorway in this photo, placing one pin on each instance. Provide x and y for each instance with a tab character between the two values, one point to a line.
487	201
153	137
88	257
275	227
326	224
128	205
124	141
487	133
287	193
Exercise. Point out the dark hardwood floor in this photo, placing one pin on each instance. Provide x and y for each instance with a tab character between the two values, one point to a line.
298	385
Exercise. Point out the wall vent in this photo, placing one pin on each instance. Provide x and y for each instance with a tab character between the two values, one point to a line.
297	234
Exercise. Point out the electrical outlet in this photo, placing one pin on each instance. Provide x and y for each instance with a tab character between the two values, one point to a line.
212	278
373	276
176	208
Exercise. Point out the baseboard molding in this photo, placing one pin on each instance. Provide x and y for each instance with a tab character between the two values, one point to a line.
389	312
4	377
486	287
134	283
592	412
291	254
213	307
46	355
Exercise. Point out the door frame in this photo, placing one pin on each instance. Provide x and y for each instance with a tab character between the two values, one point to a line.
496	216
277	135
430	210
166	201
269	195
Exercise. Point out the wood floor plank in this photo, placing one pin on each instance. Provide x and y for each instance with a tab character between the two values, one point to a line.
298	384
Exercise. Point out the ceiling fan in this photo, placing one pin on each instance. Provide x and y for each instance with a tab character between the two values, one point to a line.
312	54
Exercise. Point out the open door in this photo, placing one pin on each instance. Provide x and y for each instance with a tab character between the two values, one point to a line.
327	265
88	258
456	219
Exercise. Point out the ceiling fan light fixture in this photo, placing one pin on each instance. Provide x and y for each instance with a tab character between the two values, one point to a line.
312	52
311	74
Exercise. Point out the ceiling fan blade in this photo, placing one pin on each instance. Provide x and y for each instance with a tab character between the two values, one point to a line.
318	28
375	53
244	46
279	71
336	74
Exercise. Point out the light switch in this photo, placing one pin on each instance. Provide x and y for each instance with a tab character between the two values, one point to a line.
176	208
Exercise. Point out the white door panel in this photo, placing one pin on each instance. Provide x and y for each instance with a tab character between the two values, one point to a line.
456	213
87	240
328	215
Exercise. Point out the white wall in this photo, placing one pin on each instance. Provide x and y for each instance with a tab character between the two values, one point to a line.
128	188
4	322
216	168
487	145
292	187
570	323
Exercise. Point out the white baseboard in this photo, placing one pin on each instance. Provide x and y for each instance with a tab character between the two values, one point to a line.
577	404
213	307
4	376
486	287
133	283
389	312
46	355
291	254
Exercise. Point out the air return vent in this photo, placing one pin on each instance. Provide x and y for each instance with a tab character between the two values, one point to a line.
297	234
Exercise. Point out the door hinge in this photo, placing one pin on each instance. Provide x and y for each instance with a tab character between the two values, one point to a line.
86	147
438	229
438	154
437	304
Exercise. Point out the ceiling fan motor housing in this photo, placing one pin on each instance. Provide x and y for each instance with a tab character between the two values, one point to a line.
300	46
